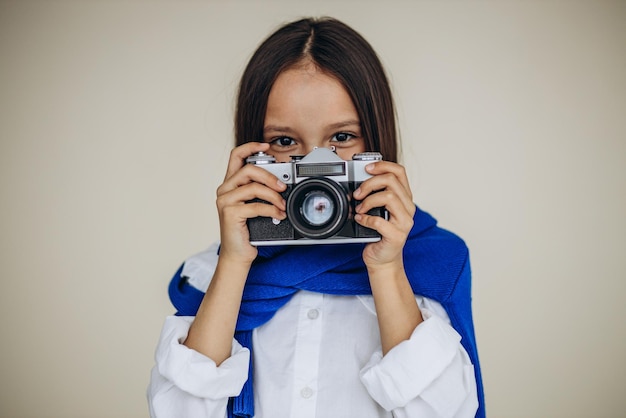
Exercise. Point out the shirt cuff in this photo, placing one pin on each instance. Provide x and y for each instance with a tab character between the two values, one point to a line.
194	372
409	368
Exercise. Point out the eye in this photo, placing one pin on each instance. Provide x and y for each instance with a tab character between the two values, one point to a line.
342	137
283	141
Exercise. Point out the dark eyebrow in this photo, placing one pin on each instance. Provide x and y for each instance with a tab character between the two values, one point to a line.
338	125
276	128
343	124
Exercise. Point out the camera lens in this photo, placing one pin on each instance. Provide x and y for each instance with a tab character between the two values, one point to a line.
317	208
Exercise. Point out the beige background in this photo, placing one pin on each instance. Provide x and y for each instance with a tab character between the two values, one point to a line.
115	126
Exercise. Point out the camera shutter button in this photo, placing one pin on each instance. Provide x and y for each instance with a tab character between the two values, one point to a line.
260	158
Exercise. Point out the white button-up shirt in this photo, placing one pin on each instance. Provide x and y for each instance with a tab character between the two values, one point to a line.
319	357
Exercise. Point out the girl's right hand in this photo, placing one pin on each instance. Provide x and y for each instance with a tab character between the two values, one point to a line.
242	183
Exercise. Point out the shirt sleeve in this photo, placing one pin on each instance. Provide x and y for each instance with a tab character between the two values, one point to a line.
428	375
185	383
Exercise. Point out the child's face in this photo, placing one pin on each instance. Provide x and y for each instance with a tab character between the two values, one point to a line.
307	108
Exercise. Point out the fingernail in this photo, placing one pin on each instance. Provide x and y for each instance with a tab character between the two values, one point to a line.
358	217
369	167
358	208
281	184
357	192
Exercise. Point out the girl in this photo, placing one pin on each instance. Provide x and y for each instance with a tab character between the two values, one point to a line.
346	330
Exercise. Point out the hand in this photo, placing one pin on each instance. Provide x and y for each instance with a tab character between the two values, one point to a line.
242	183
394	193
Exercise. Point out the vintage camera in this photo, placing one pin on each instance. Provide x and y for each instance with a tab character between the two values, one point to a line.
320	206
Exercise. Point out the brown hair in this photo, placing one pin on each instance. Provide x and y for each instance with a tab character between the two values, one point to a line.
336	49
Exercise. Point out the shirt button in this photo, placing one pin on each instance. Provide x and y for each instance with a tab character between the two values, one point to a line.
313	314
306	393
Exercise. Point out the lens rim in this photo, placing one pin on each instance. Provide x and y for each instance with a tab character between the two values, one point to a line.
338	197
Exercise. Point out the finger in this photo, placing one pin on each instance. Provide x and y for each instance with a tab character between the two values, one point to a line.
399	215
385	228
249	192
388	182
248	174
252	210
239	154
382	167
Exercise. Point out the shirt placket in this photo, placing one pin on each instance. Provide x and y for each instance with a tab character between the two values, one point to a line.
307	353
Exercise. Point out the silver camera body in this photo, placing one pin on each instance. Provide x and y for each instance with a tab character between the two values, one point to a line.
320	205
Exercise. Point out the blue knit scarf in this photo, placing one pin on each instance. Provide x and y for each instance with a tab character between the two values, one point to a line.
436	263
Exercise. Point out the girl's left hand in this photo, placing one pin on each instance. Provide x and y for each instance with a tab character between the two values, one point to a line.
392	189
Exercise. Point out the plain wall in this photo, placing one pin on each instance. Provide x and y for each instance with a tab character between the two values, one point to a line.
115	128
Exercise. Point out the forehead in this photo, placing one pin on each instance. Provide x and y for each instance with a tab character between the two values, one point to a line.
311	90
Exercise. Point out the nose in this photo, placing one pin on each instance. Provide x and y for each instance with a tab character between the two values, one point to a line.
310	148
